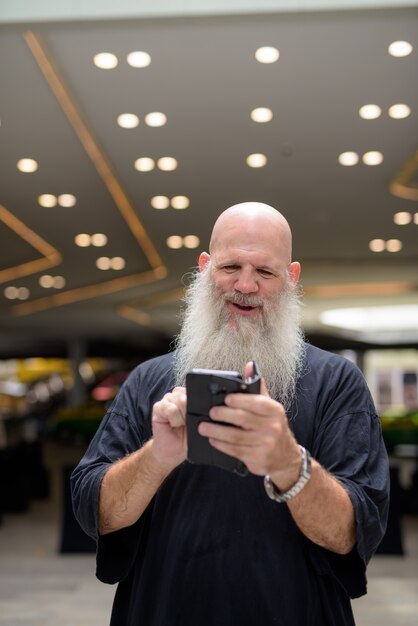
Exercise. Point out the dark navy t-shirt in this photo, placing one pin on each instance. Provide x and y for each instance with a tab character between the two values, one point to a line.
212	549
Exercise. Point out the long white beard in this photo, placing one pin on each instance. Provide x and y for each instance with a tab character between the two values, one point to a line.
213	337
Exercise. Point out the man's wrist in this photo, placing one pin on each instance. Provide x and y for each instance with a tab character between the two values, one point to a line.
304	475
158	466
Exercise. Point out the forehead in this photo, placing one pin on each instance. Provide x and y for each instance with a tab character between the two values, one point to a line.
255	241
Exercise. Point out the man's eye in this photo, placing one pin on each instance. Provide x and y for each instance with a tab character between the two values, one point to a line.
230	268
265	273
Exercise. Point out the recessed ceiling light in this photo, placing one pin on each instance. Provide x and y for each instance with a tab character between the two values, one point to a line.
160	202
261	115
138	59
400	48
27	165
402	217
117	263
377	245
47	200
105	60
180	202
10	292
167	164
67	200
59	282
103	263
393	245
348	159
416	218
370	111
98	240
375	318
82	240
399	111
23	293
256	160
106	263
175	242
144	164
267	54
191	241
46	281
128	120
372	158
16	293
155	118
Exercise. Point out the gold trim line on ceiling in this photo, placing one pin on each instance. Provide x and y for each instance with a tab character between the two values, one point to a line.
136	315
89	291
51	256
401	186
134	310
341	290
92	148
162	297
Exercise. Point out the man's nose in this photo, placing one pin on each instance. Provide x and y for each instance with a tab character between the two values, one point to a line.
246	282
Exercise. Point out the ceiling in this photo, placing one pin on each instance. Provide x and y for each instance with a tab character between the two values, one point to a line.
58	108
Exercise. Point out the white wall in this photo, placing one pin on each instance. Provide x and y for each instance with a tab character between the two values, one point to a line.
46	10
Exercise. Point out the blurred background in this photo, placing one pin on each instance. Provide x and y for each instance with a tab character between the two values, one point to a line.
124	132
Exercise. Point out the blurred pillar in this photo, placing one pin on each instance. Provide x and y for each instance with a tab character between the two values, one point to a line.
76	355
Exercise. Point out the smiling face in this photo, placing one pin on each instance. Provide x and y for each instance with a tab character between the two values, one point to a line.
243	304
250	256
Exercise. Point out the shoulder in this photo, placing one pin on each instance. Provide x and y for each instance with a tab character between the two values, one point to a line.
157	368
148	382
330	379
323	358
323	364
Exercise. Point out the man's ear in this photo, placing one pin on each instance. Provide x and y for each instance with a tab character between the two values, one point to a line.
203	260
294	272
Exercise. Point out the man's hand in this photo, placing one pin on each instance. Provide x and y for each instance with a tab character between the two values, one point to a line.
130	483
263	441
169	428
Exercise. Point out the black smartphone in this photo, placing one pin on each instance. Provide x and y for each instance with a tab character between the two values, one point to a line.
205	389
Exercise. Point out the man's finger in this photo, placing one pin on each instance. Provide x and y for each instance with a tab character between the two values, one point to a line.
263	388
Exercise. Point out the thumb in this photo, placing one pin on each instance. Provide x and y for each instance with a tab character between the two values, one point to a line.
249	373
263	388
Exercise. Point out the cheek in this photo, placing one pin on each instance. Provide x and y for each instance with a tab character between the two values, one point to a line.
223	283
271	292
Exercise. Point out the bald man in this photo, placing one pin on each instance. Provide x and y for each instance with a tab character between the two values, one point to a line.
288	543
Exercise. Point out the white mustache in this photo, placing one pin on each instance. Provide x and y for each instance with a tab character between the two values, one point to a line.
243	299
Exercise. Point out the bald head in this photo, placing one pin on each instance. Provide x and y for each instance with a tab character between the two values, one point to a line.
254	221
